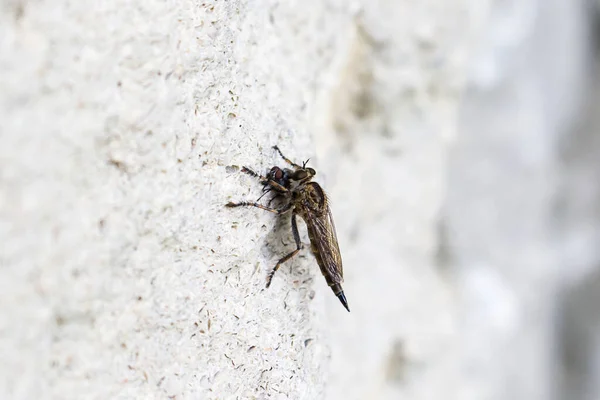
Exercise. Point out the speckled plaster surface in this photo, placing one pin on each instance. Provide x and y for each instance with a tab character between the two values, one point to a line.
123	126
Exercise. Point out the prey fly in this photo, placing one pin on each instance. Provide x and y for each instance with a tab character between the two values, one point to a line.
305	198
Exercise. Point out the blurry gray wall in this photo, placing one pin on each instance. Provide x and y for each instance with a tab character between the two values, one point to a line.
578	221
521	220
457	142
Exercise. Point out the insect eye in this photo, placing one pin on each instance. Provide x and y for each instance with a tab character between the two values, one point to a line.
275	173
311	171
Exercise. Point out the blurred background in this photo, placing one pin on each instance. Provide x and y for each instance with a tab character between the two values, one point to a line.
457	140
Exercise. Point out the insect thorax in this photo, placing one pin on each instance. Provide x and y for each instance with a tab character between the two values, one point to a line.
313	197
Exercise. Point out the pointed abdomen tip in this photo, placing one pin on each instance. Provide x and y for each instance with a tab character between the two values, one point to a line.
343	300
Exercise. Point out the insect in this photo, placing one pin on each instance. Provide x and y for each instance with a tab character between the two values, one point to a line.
305	198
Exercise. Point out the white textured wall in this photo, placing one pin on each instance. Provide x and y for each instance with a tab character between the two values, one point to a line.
122	129
123	275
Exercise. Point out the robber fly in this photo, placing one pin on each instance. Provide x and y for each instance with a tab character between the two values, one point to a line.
305	198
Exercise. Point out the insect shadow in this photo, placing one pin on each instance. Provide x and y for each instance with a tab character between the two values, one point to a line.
280	241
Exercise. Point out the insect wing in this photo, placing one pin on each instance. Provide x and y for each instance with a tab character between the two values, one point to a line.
323	238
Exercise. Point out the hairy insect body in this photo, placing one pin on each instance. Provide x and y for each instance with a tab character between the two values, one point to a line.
308	200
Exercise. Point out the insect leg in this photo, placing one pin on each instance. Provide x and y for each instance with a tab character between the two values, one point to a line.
253	204
250	172
292	254
286	159
265	191
264	180
271	200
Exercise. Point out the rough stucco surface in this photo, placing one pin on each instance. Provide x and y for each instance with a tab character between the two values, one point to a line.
123	126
